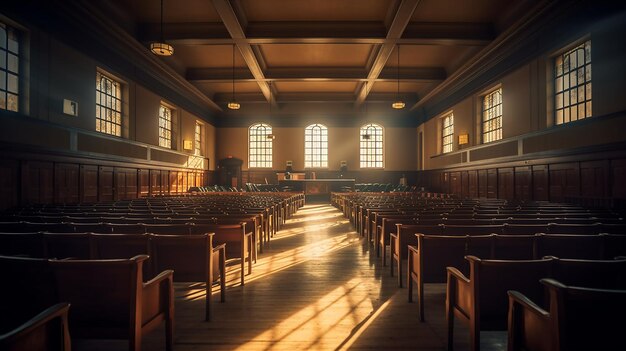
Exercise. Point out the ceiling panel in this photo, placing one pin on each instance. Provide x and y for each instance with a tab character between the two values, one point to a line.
317	55
475	11
405	87
227	88
430	56
209	56
315	10
315	87
174	11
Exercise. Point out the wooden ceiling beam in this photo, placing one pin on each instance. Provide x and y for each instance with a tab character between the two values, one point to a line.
400	21
457	34
222	75
232	21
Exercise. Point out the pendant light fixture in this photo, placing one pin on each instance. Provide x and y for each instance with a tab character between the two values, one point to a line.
161	48
233	104
270	136
398	104
366	136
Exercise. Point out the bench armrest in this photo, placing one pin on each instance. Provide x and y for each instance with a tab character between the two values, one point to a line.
529	325
158	297
458	292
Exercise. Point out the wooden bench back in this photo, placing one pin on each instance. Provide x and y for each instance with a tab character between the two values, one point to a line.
187	255
90	285
438	252
601	274
570	246
586	319
491	279
22	244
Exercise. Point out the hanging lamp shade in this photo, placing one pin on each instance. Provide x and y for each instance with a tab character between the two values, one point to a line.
161	48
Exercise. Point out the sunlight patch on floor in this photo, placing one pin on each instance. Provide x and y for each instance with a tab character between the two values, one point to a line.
322	325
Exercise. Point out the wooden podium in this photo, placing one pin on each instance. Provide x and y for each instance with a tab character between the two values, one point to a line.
318	190
281	175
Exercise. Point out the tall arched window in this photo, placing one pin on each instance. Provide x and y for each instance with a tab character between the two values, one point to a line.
260	141
371	146
316	146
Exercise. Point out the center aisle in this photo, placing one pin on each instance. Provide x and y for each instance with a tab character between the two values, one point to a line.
316	287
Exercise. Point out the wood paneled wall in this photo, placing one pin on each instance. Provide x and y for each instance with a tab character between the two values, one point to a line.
41	182
554	181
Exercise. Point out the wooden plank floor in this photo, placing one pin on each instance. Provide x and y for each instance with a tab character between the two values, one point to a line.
317	286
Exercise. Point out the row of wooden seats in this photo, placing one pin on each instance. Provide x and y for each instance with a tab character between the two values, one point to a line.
267	218
576	318
405	229
428	259
543	224
136	225
480	299
194	258
109	298
241	242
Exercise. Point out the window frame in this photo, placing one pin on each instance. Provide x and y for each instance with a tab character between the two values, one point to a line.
377	145
315	156
119	99
198	137
494	107
262	148
15	55
166	125
563	96
447	133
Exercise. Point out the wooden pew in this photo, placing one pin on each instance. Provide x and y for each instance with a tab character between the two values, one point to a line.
238	242
47	331
570	246
428	261
577	318
480	300
193	258
404	236
110	300
22	244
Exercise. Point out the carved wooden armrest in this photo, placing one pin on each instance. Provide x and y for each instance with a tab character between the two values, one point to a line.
457	276
517	298
156	291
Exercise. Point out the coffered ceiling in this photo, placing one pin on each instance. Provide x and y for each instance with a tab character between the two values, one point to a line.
336	57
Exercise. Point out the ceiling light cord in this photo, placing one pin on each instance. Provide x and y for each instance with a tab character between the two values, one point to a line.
233	72
161	48
162	36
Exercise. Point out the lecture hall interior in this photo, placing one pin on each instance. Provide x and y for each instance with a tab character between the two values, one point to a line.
312	175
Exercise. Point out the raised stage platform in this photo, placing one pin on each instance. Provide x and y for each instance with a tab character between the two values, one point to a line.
318	190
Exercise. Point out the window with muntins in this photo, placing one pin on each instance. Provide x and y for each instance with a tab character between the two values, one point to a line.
316	146
260	146
572	84
492	116
371	146
9	68
108	105
447	134
197	140
165	127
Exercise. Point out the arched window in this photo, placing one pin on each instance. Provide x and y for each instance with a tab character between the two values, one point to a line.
371	146
316	146
260	141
